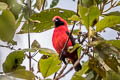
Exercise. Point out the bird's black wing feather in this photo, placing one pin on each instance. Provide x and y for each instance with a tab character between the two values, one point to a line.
71	38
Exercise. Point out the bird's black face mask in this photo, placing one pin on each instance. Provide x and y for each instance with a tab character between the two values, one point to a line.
58	22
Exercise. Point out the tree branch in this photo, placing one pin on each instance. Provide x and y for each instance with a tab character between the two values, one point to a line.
67	41
29	38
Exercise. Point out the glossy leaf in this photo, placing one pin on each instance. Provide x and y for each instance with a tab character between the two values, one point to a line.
105	52
79	52
118	4
7	25
46	23
54	3
115	43
26	11
116	13
39	4
35	44
14	6
5	77
78	77
116	27
74	18
113	61
87	3
88	15
90	75
13	61
46	51
23	74
84	69
72	49
94	65
3	6
18	22
108	21
111	75
49	66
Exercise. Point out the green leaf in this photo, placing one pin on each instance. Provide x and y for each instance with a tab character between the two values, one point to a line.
14	6
112	63
106	53
78	75
3	6
98	1
118	4
74	18
87	3
115	43
7	26
39	4
18	22
79	51
116	13
54	3
35	44
88	15
46	23
90	75
5	77
49	66
13	61
111	75
73	48
116	27
23	74
84	69
26	11
108	21
94	65
46	51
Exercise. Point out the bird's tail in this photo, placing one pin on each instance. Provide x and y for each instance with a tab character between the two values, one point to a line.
78	66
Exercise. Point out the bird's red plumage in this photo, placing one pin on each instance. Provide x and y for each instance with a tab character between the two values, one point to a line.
59	38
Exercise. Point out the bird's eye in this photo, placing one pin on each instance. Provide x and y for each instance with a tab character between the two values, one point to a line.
56	20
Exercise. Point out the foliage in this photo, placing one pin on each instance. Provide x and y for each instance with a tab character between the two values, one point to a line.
49	66
104	55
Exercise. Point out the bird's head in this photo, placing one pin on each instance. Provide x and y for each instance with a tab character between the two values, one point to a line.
58	21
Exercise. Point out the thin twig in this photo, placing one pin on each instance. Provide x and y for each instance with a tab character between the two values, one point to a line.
112	6
84	39
54	75
43	5
1	72
35	53
77	62
64	74
34	59
29	38
8	47
64	67
67	41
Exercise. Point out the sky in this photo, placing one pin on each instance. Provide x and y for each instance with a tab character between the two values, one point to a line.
45	39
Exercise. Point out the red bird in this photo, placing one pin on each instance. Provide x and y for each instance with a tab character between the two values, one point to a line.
59	38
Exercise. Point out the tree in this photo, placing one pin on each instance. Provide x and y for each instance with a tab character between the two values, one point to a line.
104	55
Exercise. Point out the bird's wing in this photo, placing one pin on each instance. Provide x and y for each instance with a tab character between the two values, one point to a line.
71	38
